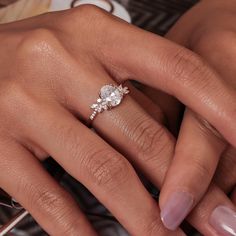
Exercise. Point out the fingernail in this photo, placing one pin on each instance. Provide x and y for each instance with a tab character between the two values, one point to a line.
176	209
223	220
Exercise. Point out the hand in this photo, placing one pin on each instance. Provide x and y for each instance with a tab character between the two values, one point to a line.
52	69
209	30
51	76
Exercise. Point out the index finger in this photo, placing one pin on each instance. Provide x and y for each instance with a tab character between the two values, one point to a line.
104	171
164	65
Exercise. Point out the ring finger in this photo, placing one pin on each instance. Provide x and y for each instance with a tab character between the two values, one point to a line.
128	128
105	172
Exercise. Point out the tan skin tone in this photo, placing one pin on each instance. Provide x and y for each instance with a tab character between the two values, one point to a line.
52	69
209	30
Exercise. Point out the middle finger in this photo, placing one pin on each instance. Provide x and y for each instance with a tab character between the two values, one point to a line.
100	168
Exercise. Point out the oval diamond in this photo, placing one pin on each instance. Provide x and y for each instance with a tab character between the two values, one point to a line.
111	95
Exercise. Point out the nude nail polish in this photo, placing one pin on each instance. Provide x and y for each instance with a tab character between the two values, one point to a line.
176	209
223	220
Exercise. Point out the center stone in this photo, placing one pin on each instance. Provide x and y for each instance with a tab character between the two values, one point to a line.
111	95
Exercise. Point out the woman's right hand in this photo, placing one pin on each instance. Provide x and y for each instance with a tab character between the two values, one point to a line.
52	67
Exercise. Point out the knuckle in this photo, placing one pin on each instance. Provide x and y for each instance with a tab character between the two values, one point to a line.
153	228
151	140
59	205
106	168
207	129
88	18
200	168
204	171
88	10
35	43
189	68
99	164
87	15
49	200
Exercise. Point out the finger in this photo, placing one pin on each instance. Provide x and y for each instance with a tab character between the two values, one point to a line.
23	177
196	157
145	142
176	71
95	164
172	109
215	214
225	66
225	176
148	105
224	42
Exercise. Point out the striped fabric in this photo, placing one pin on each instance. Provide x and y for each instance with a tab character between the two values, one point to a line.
156	16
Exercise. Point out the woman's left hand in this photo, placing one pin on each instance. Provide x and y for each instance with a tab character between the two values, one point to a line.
47	64
208	29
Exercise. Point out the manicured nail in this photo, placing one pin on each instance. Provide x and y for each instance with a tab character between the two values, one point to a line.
223	220
176	209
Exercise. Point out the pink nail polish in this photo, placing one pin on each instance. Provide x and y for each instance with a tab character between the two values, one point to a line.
176	209
223	220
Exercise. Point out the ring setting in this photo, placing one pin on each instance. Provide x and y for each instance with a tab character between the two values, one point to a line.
110	96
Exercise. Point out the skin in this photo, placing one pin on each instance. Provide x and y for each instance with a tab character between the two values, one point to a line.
209	30
53	66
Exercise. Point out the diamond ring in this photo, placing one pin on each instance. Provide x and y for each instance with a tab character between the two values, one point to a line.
110	96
